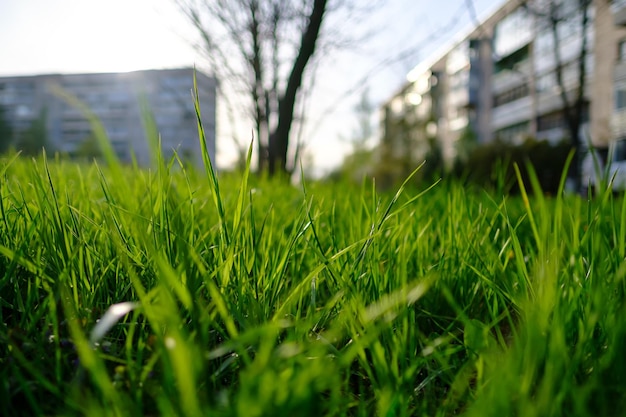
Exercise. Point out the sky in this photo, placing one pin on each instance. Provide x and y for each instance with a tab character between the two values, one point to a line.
67	36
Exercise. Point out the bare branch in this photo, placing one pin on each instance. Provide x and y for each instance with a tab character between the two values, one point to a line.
262	48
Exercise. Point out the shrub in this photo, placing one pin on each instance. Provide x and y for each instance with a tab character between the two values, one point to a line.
492	165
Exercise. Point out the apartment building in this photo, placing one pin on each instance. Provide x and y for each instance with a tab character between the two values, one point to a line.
498	81
119	100
617	71
410	118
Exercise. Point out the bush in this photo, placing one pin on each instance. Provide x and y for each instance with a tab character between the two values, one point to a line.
492	165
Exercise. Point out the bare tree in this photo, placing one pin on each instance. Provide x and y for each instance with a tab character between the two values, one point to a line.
279	140
555	16
363	111
262	48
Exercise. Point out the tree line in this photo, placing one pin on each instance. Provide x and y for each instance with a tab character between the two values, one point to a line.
28	141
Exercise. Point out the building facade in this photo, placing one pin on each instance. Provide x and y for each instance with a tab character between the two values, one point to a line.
121	102
499	81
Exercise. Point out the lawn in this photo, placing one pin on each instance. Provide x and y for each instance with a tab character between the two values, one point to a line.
173	292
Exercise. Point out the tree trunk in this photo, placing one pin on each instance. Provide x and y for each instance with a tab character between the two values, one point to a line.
257	87
572	112
279	139
580	96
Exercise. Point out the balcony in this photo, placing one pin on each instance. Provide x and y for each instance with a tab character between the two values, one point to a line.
511	113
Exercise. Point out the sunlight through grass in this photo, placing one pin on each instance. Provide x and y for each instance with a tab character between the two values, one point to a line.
178	292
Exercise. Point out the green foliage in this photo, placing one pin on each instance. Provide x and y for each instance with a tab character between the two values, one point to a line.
88	149
492	165
363	110
31	141
467	143
407	143
360	162
257	298
392	167
6	133
355	167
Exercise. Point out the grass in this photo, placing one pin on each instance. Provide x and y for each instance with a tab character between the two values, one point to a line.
174	292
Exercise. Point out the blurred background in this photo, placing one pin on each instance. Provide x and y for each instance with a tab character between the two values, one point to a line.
364	52
339	89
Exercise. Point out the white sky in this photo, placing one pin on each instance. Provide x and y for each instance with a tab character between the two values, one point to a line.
41	36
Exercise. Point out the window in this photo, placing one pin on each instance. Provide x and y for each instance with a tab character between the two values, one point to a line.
546	82
511	95
544	43
23	111
513	60
513	134
621	51
474	49
115	129
620	99
25	87
513	32
122	150
557	120
619	152
550	121
117	100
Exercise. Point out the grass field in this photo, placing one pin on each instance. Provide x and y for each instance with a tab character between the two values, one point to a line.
169	292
